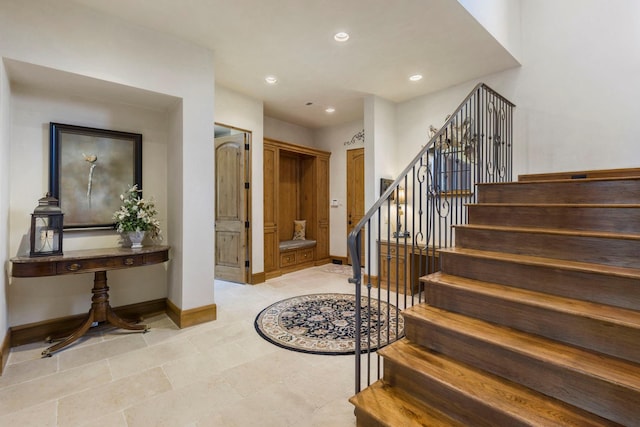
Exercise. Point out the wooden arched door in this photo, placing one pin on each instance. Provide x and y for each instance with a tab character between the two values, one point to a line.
355	192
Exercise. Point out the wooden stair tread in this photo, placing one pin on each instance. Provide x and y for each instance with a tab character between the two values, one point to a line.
560	205
598	173
604	313
616	371
586	267
528	406
392	407
551	181
552	231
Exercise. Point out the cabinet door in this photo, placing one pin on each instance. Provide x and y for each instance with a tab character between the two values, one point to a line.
393	267
270	205
270	178
271	249
322	248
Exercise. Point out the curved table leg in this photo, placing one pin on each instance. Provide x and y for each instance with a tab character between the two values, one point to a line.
100	311
71	338
118	321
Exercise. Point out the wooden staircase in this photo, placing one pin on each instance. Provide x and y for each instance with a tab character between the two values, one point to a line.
533	320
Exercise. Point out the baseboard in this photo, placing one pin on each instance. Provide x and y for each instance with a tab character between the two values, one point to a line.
335	259
4	351
272	274
322	261
258	278
38	331
191	317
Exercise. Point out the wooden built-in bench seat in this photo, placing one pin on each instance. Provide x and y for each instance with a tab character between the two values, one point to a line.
288	245
296	254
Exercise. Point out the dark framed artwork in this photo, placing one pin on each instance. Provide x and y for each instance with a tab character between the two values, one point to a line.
88	170
384	185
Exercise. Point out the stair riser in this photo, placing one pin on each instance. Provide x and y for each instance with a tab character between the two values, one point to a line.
570	328
582	192
607	400
469	411
618	252
363	419
612	290
618	220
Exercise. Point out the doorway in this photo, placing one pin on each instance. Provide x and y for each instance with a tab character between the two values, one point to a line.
355	193
232	204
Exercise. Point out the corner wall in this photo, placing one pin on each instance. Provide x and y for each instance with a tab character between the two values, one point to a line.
240	111
110	50
333	139
5	128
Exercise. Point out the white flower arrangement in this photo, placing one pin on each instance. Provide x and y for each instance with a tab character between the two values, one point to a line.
137	214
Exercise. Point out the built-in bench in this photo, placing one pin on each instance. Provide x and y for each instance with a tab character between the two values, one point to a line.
296	254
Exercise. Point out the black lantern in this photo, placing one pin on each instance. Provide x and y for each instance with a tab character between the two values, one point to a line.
46	228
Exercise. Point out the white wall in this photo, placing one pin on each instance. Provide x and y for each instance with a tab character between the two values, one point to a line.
501	18
380	154
287	132
240	111
333	139
32	109
5	128
78	40
575	94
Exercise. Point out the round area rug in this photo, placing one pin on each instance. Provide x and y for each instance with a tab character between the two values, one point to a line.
325	324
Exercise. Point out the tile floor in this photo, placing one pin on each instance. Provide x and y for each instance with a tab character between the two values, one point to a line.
217	374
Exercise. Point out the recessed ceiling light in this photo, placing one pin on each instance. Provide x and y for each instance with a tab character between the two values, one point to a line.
330	110
271	80
341	36
415	77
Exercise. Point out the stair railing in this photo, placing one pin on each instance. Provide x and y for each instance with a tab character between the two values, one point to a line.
399	239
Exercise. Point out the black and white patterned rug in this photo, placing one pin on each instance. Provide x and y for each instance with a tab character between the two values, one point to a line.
325	324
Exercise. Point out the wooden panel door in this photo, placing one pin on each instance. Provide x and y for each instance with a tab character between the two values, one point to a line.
230	208
355	193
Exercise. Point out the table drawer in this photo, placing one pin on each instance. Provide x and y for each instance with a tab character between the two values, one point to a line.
88	265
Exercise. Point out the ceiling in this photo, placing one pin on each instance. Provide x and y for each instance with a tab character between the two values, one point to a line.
293	40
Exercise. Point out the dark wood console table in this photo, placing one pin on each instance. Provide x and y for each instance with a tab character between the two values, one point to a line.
97	261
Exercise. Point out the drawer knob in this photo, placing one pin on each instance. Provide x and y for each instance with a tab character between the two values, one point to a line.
128	261
74	267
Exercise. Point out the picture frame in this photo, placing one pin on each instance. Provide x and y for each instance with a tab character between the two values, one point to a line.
89	169
385	183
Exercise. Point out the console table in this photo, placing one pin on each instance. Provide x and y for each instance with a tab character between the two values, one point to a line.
97	261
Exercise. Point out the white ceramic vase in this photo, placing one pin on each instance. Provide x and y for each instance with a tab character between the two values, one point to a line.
136	238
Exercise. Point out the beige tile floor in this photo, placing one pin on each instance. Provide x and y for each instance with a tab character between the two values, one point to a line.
217	374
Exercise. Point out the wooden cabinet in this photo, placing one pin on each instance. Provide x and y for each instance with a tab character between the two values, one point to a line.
402	265
296	187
